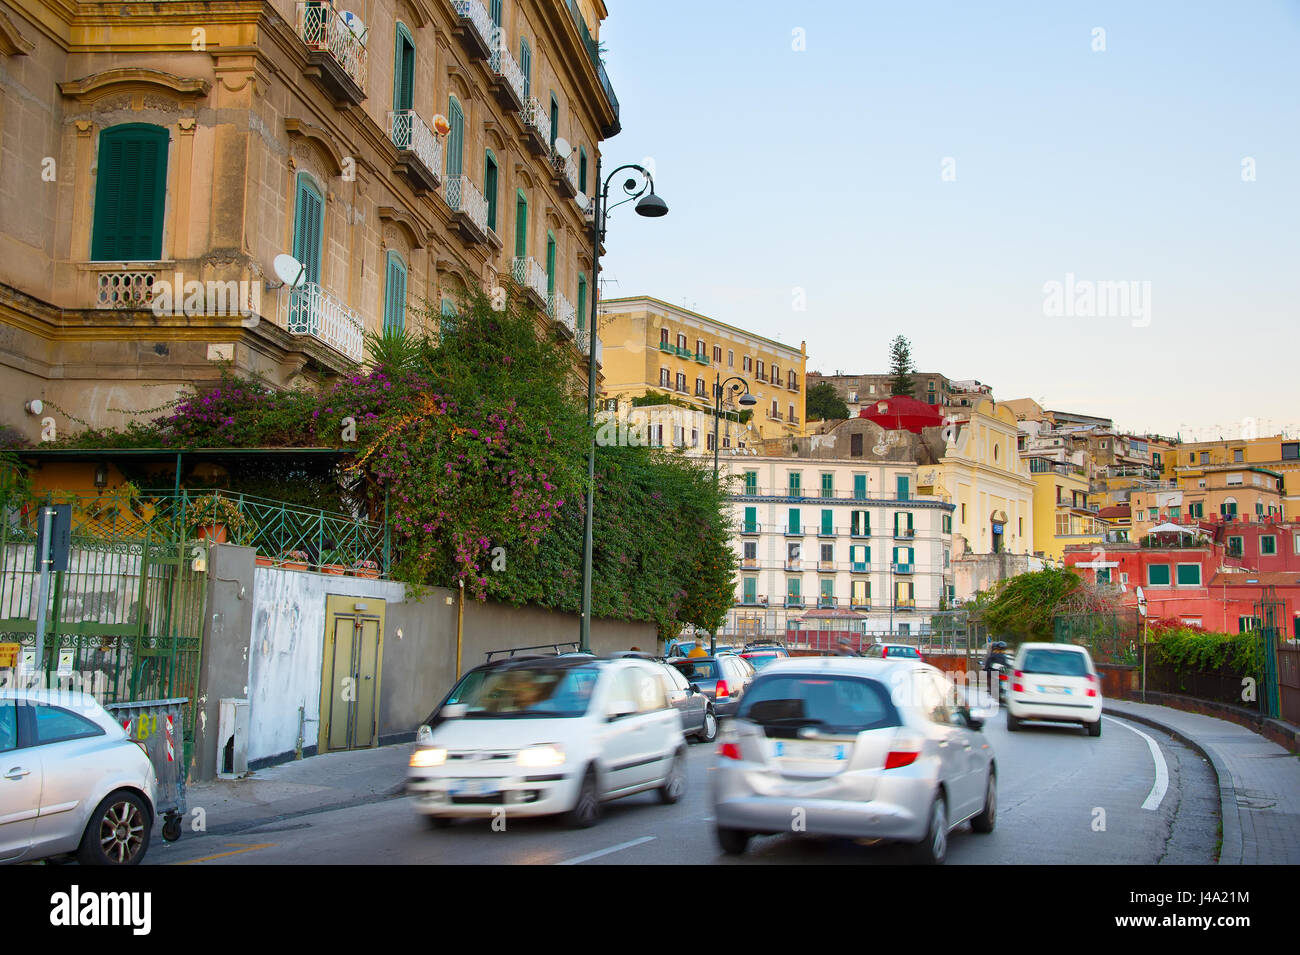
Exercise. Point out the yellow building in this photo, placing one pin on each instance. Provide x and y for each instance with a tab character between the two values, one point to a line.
1061	513
652	346
157	158
1277	453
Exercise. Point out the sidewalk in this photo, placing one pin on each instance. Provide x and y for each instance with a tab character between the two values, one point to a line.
316	784
1259	782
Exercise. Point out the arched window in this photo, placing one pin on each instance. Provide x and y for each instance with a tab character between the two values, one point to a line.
308	226
490	187
455	138
395	294
526	67
521	224
403	70
130	193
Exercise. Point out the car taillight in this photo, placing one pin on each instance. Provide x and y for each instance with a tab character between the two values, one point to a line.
898	758
1018	687
1092	690
143	748
884	652
723	691
729	751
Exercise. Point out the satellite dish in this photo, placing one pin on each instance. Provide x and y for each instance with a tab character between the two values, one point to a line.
289	270
440	125
353	23
562	147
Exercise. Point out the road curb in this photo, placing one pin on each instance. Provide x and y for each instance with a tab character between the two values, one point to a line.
234	828
1232	851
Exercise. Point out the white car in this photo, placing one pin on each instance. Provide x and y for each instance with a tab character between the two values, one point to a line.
1056	682
71	781
548	735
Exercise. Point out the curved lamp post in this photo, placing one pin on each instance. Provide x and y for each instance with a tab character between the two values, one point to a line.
638	186
746	399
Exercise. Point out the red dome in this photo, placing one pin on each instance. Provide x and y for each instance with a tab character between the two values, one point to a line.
903	413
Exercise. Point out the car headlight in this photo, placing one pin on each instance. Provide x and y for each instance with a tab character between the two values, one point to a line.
541	757
433	756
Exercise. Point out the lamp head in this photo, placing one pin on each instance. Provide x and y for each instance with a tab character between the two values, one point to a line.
748	400
651	206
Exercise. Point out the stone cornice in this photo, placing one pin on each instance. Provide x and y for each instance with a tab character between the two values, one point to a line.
133	79
12	41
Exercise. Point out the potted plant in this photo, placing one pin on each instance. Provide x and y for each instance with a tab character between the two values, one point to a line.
366	568
294	560
217	518
332	562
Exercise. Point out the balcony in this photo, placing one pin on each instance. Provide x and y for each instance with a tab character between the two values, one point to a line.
793	563
751	530
793	601
826	603
859	567
749	563
469	206
905	603
531	278
904	533
794	419
860	534
793	386
682	351
475	29
311	310
562	313
537	127
826	532
904	569
701	359
564	174
775	416
419	151
794	532
124	289
508	78
860	605
665	347
826	565
336	54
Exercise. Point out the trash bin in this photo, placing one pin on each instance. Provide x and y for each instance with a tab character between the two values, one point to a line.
159	725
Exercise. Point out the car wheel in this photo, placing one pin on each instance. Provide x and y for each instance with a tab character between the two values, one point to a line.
674	786
985	821
733	841
710	731
118	831
1094	729
439	822
586	811
933	849
1013	723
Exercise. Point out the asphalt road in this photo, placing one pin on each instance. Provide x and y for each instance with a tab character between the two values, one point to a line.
1064	798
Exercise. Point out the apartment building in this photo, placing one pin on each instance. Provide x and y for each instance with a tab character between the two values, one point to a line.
158	158
828	534
1276	453
859	391
1062	515
652	346
1210	492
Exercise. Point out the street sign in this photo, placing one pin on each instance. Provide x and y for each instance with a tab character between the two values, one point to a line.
60	534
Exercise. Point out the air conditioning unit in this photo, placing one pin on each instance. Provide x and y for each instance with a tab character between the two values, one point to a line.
232	739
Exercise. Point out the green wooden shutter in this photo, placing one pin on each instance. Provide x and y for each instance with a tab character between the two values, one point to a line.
902	487
751	520
828	522
308	226
582	303
455	138
795	526
403	70
130	193
555	119
860	486
490	188
526	67
521	226
395	295
751	590
550	264
495	10
582	170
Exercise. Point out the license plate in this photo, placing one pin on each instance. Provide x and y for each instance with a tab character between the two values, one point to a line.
1054	689
797	749
474	787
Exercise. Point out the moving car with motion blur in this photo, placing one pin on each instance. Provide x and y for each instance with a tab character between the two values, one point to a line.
722	679
71	782
853	747
893	651
699	720
1055	682
759	655
542	736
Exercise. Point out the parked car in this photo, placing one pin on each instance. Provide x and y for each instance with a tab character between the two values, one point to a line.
73	783
1056	682
893	651
698	717
722	679
759	655
853	747
545	736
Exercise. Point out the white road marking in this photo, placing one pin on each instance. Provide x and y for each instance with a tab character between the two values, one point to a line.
1162	771
604	852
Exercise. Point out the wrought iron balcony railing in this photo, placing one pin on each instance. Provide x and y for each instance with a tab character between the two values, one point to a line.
507	69
537	120
324	30
408	131
311	310
562	311
473	13
529	274
463	196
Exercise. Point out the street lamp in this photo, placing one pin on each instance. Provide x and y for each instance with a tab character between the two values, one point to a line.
641	187
747	399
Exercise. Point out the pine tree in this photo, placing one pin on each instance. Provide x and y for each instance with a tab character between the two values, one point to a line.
900	367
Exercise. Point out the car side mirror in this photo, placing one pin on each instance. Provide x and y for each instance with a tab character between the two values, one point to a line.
971	721
424	736
695	688
454	711
621	708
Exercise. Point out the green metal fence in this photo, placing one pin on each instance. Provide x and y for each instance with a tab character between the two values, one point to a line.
1270	611
1110	637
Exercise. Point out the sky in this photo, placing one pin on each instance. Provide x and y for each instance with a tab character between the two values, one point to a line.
840	173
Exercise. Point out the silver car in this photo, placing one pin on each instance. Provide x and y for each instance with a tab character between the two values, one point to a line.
852	747
71	782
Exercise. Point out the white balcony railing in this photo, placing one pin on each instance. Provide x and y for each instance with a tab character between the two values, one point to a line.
311	310
324	30
506	66
478	16
124	289
562	310
566	167
463	196
535	116
529	273
408	131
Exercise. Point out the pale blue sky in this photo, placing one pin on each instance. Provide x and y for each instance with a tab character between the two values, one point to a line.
821	170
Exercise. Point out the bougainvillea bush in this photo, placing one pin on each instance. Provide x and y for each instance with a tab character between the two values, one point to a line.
474	444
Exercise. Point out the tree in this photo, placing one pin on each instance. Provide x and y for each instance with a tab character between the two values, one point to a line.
901	367
824	403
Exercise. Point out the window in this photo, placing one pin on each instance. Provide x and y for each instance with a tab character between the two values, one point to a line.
1291	451
1205	457
827	591
795	484
1152	513
751	520
903	524
859	485
308	227
792	552
681	342
1296	543
1229	507
490	189
902	487
455	139
855	446
748	364
792	415
395	295
403	71
1235	546
550	267
828	521
582	170
663	336
1267	545
861	590
828	553
775	375
8	725
751	590
1157	575
521	224
828	485
759	366
795	526
582	302
1247	624
947	523
54	725
555	120
708	441
699	388
495	11
731	358
1189	575
860	523
130	194
860	558
751	550
526	67
904	557
963	513
751	482
717	354
665	378
1238	456
792	589
681	381
1175	512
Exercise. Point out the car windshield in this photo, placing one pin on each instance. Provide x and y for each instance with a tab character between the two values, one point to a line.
1055	662
551	691
761	658
830	703
910	652
698	670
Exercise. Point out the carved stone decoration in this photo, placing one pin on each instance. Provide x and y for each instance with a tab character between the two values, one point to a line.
137	81
324	143
12	42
